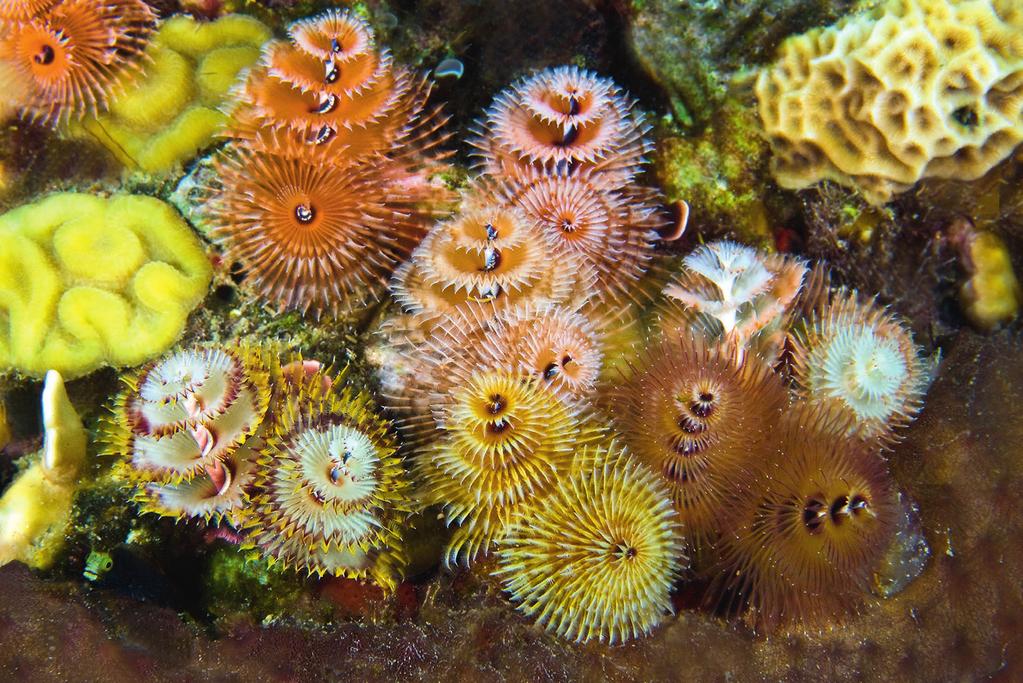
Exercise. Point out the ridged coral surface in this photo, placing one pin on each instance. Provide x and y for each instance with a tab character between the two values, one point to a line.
90	281
913	89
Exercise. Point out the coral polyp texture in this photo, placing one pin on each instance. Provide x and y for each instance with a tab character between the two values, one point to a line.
505	439
325	185
612	231
87	281
174	109
562	119
559	347
733	292
913	89
179	428
75	54
331	494
701	417
859	360
489	252
596	559
812	531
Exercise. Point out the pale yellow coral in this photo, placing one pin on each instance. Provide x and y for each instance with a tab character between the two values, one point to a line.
991	295
35	509
915	89
174	110
87	281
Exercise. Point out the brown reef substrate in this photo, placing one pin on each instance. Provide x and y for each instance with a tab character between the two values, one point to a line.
962	619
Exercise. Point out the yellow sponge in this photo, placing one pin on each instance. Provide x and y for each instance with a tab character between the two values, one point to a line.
87	281
172	113
990	297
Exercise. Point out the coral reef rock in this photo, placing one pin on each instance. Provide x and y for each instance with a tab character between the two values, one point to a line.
914	89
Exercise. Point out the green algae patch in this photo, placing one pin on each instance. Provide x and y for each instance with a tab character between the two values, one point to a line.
720	173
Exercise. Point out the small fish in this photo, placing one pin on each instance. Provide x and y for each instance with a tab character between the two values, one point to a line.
97	564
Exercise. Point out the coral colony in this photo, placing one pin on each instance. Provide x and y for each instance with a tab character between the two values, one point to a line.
598	423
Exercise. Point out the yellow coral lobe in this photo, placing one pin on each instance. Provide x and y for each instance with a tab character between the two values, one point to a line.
173	111
810	532
35	509
596	559
331	494
914	89
5	427
991	295
87	281
506	439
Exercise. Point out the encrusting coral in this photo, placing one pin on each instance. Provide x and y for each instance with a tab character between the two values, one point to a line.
809	532
87	281
36	508
75	54
990	295
860	361
325	184
910	90
596	559
173	110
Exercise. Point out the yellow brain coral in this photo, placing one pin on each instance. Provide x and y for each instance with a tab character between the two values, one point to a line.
87	281
916	89
174	110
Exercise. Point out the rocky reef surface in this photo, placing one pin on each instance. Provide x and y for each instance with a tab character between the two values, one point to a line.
123	596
